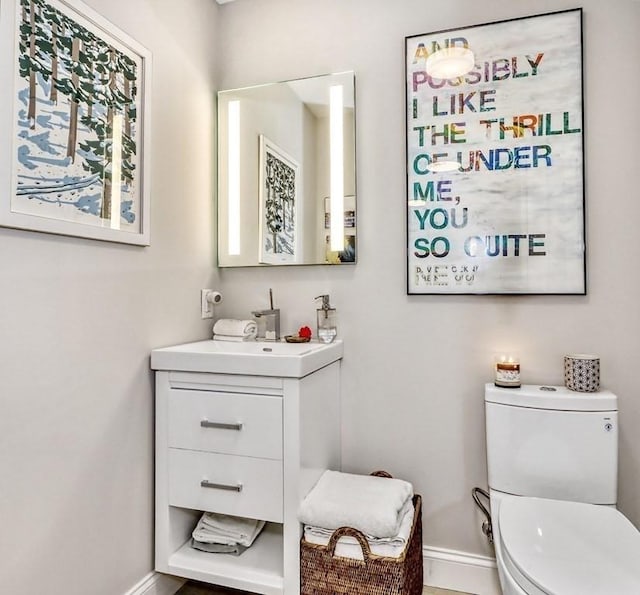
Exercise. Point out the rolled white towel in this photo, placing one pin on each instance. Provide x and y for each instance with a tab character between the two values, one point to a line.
349	547
230	327
368	503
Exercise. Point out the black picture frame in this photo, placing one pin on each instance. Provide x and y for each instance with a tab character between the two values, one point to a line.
510	217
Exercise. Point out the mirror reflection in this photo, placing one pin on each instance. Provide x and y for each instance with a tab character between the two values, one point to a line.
286	173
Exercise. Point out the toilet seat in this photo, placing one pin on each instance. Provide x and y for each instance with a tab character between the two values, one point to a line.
554	547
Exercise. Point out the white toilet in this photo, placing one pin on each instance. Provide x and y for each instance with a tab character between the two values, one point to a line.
552	458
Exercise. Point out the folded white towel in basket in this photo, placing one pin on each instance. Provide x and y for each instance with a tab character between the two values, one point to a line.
227	328
368	503
349	547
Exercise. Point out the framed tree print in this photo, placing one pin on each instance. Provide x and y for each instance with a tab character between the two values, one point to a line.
495	184
278	195
77	122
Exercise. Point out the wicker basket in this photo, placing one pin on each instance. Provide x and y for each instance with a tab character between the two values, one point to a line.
322	573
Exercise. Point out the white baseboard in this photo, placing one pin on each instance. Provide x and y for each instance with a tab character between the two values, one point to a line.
157	584
460	571
445	569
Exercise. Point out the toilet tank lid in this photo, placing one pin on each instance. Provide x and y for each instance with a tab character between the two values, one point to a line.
557	398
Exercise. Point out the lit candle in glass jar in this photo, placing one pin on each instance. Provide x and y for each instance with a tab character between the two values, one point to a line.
507	371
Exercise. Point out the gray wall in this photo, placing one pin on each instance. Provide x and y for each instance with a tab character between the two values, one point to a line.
78	319
414	367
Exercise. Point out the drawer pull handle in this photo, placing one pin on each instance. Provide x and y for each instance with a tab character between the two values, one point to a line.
221	486
205	423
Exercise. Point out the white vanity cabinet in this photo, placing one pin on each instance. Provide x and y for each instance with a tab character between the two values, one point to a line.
245	445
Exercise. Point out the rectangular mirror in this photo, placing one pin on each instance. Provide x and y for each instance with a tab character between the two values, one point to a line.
286	173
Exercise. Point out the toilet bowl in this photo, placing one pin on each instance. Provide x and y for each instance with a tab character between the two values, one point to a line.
555	547
552	462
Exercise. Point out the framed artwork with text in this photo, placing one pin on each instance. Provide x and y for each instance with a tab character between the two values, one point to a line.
495	171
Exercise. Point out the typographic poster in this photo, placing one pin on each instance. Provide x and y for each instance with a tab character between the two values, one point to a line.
508	217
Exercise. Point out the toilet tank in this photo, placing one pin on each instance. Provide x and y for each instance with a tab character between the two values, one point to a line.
551	442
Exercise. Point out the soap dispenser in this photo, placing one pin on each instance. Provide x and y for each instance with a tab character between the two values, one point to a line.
327	320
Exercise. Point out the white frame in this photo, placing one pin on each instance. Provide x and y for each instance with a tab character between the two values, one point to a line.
100	26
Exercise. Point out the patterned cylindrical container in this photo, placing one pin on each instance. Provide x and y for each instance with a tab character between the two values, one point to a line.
582	372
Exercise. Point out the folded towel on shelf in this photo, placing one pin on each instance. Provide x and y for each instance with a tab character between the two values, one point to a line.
368	503
218	548
227	530
349	547
229	327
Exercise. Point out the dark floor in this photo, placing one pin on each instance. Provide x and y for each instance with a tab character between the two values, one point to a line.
195	588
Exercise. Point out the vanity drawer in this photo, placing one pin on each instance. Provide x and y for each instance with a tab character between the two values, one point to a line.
238	424
228	484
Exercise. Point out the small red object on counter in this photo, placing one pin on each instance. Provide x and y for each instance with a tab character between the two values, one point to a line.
305	332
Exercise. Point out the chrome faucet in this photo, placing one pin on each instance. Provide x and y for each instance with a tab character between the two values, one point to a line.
268	322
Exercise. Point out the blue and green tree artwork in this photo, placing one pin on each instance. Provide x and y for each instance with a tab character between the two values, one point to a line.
77	121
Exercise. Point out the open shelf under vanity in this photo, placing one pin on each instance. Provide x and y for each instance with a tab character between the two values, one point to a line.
257	569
